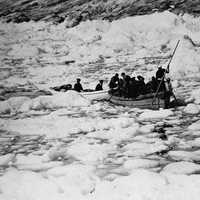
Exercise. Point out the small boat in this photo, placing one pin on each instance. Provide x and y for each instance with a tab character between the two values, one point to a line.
87	93
147	101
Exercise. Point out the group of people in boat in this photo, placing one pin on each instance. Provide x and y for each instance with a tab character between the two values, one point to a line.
131	87
127	86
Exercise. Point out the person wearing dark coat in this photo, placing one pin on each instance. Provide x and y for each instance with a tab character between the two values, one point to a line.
132	88
77	86
120	90
114	81
152	85
124	78
141	85
160	73
127	79
99	86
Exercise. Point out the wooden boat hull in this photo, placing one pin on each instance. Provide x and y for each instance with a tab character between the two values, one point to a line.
143	102
96	95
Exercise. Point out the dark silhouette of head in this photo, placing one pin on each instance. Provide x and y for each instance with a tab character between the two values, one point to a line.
123	74
78	80
127	78
101	81
116	74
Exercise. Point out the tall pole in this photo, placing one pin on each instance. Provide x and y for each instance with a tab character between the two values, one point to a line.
166	71
172	55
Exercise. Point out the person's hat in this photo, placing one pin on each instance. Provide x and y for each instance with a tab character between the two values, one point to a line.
78	79
101	81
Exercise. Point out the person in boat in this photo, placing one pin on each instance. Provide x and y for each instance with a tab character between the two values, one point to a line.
123	85
135	82
141	85
160	73
114	81
152	85
123	77
132	88
77	86
126	86
168	92
120	89
159	76
99	86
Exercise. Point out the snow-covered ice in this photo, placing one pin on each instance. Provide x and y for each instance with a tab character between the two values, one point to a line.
160	114
195	126
182	168
192	109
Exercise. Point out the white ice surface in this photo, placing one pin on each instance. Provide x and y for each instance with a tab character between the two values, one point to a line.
160	114
195	126
44	47
182	168
58	100
192	109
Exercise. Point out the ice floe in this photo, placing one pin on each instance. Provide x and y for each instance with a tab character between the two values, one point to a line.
140	184
34	163
4	107
196	96
140	163
59	100
185	155
146	128
192	109
160	114
142	148
73	176
195	126
182	168
89	153
7	159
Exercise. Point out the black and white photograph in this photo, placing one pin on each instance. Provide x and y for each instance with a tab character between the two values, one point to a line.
99	99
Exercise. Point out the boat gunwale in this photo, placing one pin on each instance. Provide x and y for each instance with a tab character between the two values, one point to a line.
139	98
